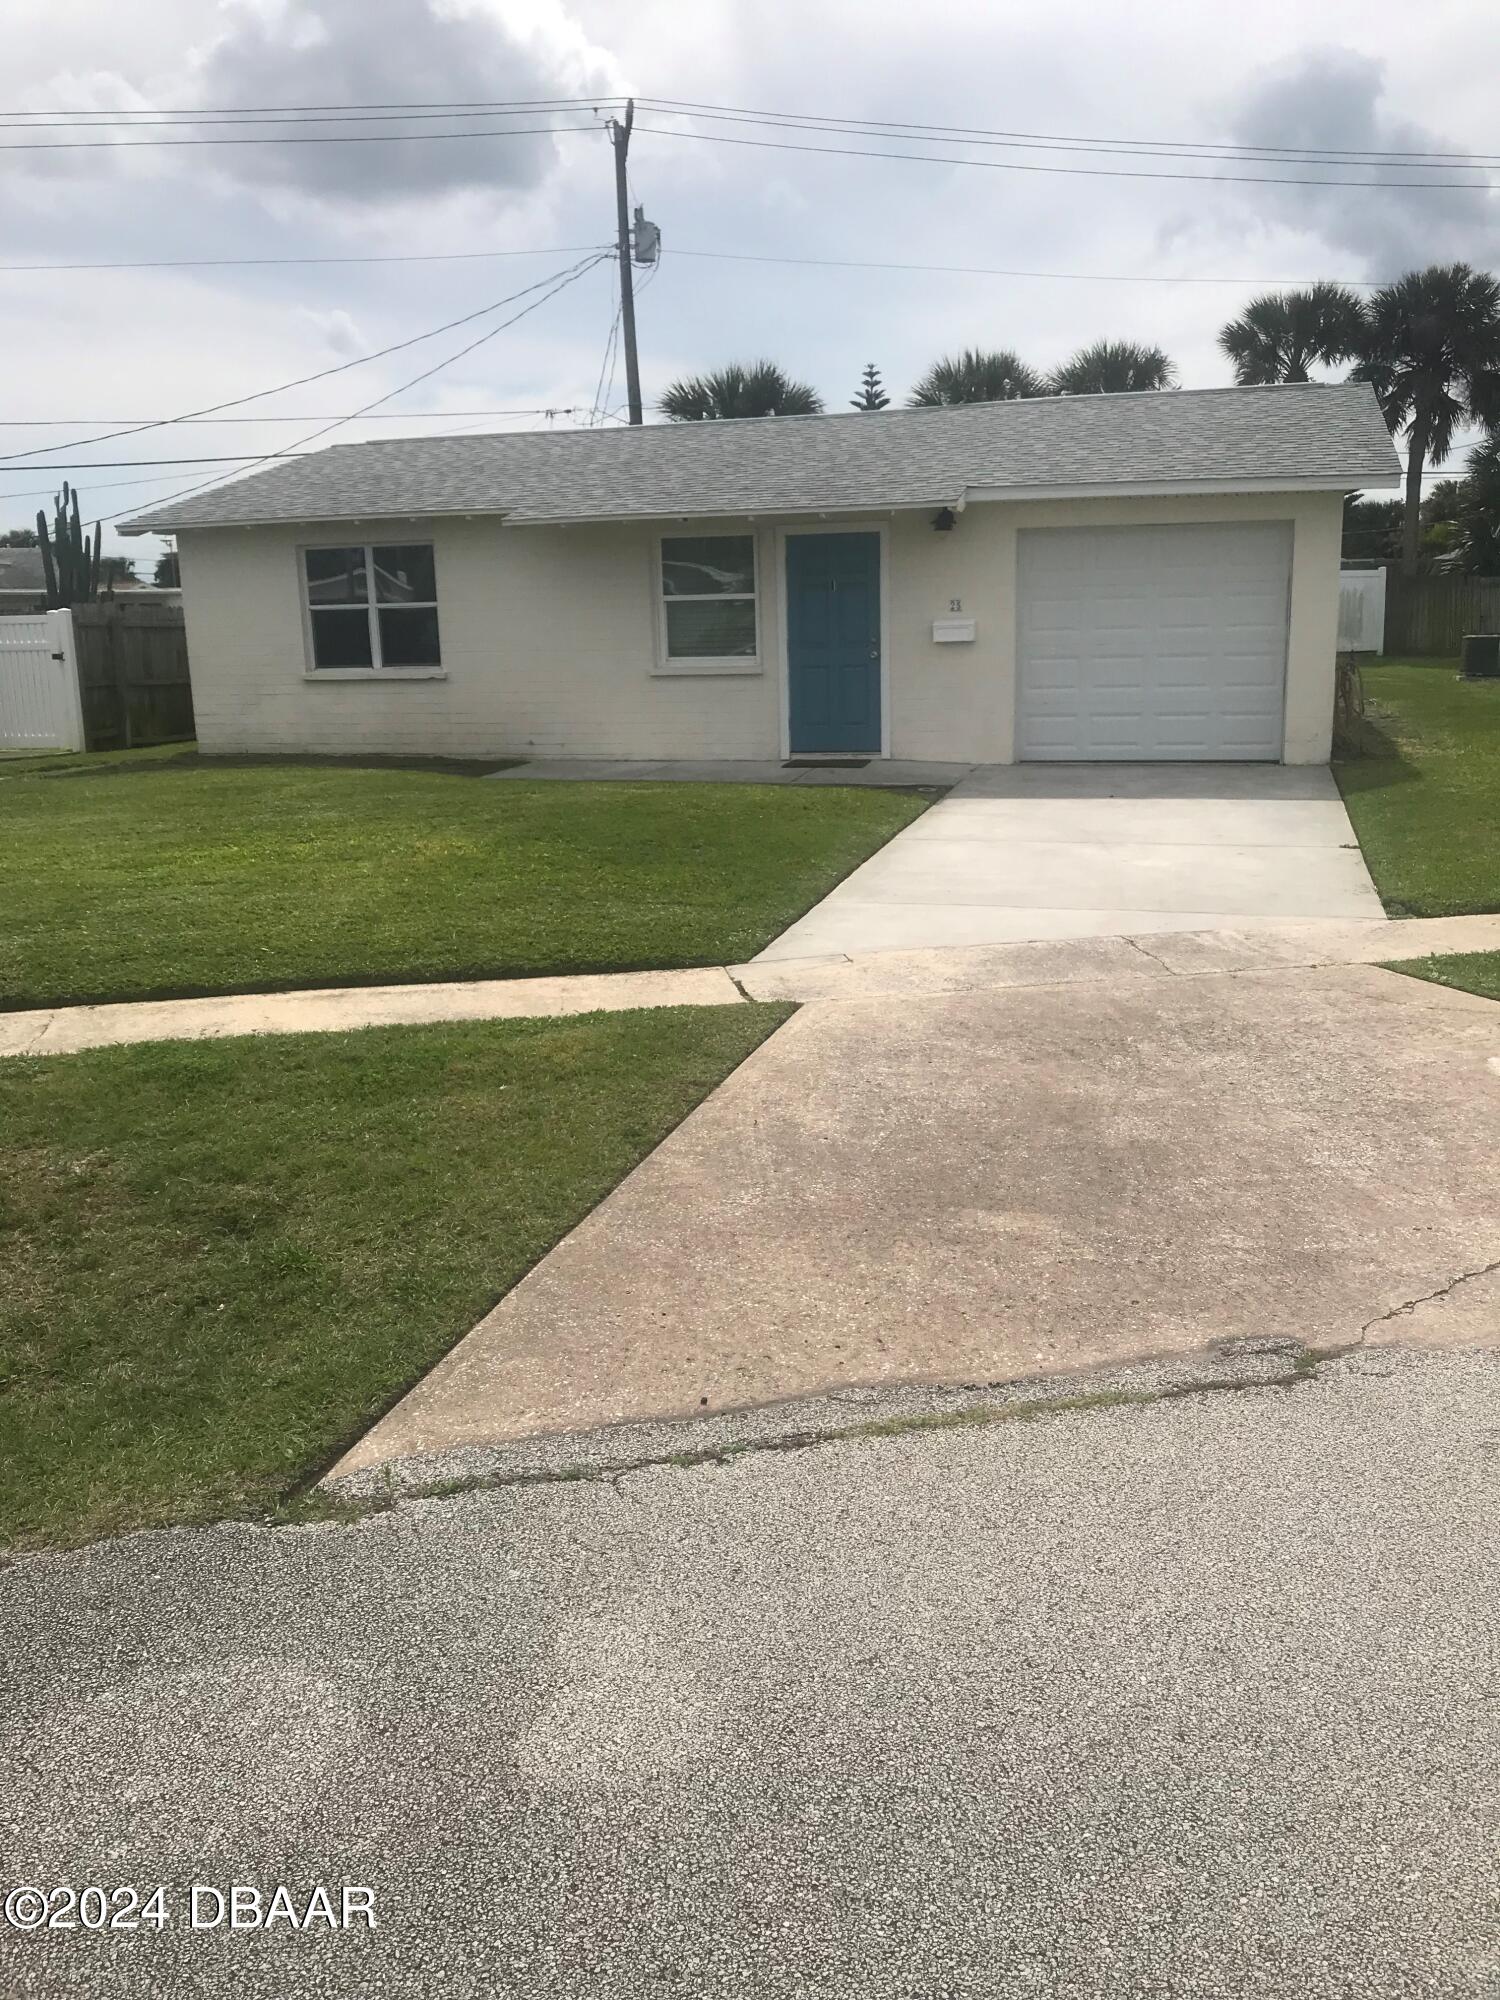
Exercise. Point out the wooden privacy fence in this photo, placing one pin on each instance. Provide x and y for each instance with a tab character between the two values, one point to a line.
132	673
1431	614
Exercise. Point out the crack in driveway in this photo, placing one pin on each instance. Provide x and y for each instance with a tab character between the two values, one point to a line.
1155	958
1440	1292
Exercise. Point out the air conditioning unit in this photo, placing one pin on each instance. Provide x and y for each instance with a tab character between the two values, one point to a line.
1479	657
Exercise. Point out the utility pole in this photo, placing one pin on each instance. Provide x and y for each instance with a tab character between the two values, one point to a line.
619	138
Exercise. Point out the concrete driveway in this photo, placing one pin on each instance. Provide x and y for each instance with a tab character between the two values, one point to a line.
989	1185
1025	851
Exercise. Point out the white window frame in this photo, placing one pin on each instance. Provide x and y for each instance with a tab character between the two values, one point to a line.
375	672
711	664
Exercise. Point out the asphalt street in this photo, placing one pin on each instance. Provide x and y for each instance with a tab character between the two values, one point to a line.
1195	1696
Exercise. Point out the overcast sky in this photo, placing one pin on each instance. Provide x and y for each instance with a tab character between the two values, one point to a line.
152	343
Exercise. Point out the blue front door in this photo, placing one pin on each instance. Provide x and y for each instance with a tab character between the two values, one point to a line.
833	642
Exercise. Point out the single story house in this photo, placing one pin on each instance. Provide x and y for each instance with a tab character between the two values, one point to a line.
1135	576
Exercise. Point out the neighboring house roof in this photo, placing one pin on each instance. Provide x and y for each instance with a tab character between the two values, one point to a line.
21	569
1210	440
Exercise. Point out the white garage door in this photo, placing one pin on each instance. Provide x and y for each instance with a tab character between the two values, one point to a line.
1153	642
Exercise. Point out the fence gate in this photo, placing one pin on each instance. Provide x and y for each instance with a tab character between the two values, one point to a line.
40	707
133	672
1362	611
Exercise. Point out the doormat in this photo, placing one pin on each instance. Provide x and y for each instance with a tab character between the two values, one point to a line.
825	763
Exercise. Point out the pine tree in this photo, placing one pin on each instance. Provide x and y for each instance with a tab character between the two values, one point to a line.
872	394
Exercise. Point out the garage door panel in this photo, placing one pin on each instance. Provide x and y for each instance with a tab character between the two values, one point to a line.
1162	642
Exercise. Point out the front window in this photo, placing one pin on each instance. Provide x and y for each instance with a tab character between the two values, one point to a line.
373	605
708	594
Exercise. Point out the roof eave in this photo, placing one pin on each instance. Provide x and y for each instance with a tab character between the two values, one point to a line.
1341	482
828	511
163	524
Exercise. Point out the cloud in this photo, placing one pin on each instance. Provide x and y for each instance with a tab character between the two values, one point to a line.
337	331
295	53
1331	100
299	52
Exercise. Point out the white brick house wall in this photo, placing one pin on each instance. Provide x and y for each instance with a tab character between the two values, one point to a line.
550	637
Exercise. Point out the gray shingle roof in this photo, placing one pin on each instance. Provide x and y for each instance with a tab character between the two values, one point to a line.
21	569
1291	435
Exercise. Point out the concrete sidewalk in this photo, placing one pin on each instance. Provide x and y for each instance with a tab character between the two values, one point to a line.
328	1010
1073	961
1026	851
995	1184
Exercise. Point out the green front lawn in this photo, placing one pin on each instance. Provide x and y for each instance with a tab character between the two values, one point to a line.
1425	796
1470	971
219	1261
188	876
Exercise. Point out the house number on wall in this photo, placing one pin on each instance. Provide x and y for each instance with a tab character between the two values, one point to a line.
955	604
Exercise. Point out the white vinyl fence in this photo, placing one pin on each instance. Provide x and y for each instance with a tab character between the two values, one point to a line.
1362	611
40	708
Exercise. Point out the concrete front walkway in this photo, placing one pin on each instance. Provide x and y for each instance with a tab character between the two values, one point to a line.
1025	851
900	773
983	1186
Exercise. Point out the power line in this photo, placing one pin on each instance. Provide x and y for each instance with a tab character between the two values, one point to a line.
562	281
287	139
406	111
727	256
596	408
306	110
149	120
244	263
787	146
1037	167
996	271
1077	142
297	417
105	486
257	395
208	458
239	457
112	485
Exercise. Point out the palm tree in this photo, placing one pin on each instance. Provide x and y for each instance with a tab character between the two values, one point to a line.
741	389
1479	510
1279	336
1113	368
1433	357
977	376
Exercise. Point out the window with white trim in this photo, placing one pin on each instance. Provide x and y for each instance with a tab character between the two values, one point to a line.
708	597
392	627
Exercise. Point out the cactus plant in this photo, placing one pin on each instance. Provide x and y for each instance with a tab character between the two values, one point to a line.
70	560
